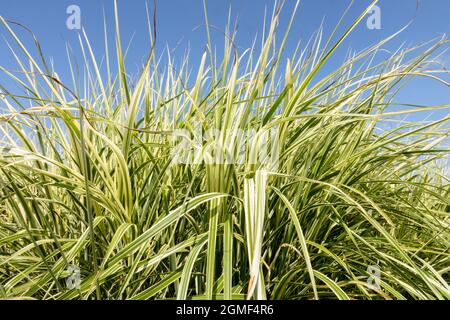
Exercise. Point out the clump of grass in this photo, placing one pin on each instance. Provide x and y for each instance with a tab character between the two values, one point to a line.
88	178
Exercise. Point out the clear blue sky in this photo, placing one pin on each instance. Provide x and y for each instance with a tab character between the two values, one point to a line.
177	20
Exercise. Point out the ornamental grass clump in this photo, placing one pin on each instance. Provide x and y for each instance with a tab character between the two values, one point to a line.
255	177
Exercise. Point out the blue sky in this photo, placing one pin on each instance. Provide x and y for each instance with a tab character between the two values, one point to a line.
180	23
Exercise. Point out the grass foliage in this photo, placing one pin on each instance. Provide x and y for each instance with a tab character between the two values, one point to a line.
88	177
